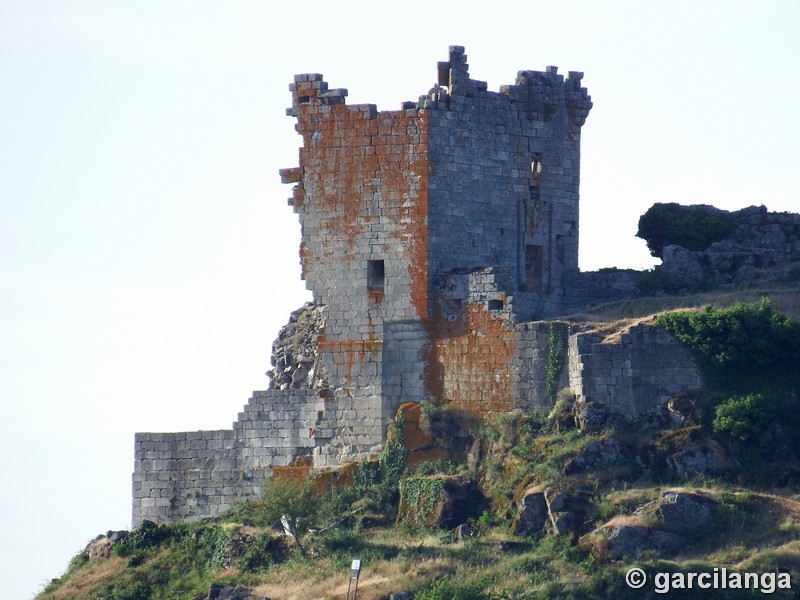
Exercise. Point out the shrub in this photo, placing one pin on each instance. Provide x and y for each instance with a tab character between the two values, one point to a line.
746	416
692	227
261	553
282	496
741	349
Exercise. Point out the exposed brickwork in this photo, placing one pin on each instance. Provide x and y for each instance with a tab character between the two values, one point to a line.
432	237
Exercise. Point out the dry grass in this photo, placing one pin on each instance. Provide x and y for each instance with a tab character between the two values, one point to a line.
785	301
376	581
87	578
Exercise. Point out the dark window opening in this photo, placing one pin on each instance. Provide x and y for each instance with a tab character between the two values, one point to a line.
561	248
304	99
495	305
533	267
376	275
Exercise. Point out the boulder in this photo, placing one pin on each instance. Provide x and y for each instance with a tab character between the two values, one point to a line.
694	452
632	541
220	592
463	532
590	417
685	513
567	513
532	513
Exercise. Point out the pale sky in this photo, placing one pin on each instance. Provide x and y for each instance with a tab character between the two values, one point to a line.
148	257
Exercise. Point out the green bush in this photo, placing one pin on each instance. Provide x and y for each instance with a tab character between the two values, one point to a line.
452	588
742	349
294	498
692	227
744	417
144	537
261	553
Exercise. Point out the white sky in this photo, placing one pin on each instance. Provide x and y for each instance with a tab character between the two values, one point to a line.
147	254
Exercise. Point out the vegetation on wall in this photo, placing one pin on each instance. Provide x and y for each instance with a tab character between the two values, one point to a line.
741	349
692	227
556	356
749	355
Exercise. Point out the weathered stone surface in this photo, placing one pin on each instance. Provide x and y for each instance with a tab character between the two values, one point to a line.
295	361
685	513
600	453
220	592
567	513
699	453
532	513
760	239
629	541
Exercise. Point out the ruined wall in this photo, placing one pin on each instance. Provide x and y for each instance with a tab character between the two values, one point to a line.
590	288
631	373
361	196
203	473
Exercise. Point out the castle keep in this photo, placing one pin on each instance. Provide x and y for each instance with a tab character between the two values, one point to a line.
433	237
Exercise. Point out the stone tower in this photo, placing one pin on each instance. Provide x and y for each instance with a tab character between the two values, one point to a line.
428	232
430	235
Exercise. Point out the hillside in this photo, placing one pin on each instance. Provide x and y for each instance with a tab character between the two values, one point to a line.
525	506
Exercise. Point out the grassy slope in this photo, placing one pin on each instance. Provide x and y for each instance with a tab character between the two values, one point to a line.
755	528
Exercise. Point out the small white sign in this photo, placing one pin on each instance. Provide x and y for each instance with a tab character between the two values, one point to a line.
356	566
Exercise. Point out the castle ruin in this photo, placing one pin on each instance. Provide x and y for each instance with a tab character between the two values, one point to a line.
433	238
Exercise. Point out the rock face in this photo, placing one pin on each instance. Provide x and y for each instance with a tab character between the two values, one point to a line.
632	541
683	513
295	363
532	513
697	453
600	453
761	239
661	527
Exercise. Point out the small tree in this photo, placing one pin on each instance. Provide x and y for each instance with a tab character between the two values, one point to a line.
692	227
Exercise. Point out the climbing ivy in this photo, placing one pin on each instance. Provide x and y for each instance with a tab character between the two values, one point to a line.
393	456
422	493
556	355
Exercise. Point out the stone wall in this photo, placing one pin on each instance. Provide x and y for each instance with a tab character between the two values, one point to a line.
630	373
591	288
203	473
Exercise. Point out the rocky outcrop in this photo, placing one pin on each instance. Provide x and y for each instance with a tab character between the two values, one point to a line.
532	513
661	527
692	451
597	454
629	541
760	240
295	363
